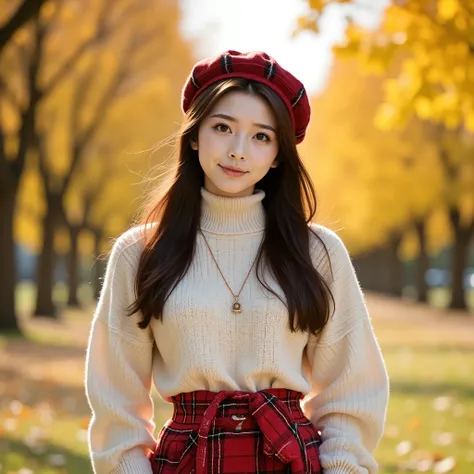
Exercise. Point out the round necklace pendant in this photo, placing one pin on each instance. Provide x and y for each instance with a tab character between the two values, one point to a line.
236	307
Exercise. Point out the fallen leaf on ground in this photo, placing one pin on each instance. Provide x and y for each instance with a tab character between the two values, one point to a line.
404	447
446	465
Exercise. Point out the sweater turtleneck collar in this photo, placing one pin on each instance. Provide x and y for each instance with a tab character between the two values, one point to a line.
232	215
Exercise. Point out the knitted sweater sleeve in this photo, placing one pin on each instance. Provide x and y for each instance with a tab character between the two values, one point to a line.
350	388
118	376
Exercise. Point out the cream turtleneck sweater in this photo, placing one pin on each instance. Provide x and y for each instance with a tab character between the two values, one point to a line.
201	344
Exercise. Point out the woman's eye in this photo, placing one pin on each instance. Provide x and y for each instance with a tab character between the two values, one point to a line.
222	127
262	137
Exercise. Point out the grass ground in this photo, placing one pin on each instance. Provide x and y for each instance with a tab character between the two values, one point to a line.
430	425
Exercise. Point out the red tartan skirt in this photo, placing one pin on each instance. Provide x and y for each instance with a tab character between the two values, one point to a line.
237	432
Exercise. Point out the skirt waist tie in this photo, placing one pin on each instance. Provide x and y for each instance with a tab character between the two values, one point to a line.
278	427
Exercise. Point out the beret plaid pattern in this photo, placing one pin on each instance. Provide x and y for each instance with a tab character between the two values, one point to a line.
256	66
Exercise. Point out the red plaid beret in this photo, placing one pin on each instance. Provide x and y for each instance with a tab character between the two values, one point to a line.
259	67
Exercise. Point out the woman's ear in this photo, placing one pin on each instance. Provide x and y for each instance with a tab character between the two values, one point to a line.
274	164
194	143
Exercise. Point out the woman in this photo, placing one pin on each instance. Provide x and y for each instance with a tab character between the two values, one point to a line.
234	303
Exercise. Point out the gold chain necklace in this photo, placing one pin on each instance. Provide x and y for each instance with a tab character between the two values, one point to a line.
236	306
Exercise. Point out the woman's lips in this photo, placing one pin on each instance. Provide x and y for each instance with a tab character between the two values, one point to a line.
229	172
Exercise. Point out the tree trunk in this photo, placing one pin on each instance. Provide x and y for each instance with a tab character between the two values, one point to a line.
46	265
73	267
458	264
8	280
422	263
366	268
459	257
375	270
12	166
395	266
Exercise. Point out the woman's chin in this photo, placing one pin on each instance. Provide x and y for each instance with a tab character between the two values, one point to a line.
228	189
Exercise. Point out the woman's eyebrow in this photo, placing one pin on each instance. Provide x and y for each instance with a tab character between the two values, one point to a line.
232	119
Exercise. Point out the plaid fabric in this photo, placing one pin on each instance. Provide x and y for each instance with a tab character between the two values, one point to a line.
237	432
256	66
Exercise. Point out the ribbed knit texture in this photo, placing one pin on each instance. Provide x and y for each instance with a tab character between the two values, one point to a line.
201	344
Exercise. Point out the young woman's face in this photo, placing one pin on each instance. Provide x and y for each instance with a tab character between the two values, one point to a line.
240	131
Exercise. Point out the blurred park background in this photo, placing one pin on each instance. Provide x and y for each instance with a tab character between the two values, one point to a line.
89	87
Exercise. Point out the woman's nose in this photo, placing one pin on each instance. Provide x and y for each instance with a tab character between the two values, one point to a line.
237	150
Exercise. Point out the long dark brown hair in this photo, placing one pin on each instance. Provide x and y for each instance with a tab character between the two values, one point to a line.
171	218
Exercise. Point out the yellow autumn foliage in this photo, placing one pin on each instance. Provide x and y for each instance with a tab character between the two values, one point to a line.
144	109
433	40
370	182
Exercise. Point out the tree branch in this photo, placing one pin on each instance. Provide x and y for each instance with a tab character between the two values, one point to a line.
103	31
9	94
40	145
27	10
28	126
92	193
79	98
100	33
82	139
108	96
5	166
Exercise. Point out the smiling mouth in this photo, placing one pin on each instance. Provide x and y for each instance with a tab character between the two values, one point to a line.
232	172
